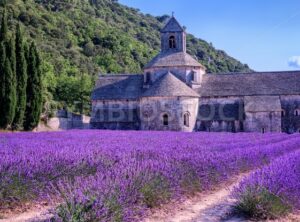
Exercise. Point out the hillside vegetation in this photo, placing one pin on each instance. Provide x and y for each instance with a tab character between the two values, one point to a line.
81	38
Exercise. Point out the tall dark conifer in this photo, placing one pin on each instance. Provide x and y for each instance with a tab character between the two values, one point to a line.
11	53
10	83
34	89
21	74
8	76
4	28
9	100
2	83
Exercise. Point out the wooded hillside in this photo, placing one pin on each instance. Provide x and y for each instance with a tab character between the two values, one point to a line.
81	38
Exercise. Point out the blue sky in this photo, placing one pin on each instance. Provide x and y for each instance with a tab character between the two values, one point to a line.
262	33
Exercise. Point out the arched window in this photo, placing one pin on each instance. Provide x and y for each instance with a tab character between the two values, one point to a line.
172	42
263	130
194	76
98	114
283	113
297	112
148	77
186	119
165	119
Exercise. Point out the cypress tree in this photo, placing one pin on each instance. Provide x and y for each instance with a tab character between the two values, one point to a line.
4	28
9	100
21	75
8	76
34	89
2	83
10	84
11	54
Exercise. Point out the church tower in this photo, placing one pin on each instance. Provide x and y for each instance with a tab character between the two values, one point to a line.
173	37
174	58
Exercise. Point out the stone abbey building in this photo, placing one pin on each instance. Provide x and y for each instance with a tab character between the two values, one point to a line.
175	93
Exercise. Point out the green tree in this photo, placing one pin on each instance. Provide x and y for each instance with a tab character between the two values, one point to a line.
75	92
9	99
8	76
2	82
34	89
11	54
4	28
21	74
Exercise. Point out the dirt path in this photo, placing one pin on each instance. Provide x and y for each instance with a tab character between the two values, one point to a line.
210	207
34	215
213	206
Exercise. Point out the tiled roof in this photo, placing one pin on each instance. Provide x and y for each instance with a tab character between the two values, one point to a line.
118	87
250	84
173	59
169	86
213	85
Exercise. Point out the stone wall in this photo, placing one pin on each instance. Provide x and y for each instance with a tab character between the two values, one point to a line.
180	39
263	122
115	115
221	115
64	121
290	114
263	114
152	113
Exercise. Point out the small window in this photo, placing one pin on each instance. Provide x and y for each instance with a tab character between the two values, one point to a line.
148	77
98	114
194	76
297	112
172	42
263	130
186	119
283	113
165	119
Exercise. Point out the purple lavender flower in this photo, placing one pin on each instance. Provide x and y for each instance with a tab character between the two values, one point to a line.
117	176
273	190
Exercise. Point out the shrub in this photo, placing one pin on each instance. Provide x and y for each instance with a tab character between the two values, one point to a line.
272	191
262	204
73	211
156	191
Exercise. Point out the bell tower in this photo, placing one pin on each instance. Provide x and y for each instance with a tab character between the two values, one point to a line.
173	37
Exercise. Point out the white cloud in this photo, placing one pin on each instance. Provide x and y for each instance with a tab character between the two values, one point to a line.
294	62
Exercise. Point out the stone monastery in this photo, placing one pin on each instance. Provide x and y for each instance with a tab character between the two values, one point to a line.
175	93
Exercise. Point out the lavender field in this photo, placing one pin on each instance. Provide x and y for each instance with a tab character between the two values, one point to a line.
272	191
118	176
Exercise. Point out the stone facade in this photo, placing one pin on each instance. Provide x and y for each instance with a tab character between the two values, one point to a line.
290	114
115	115
181	113
175	93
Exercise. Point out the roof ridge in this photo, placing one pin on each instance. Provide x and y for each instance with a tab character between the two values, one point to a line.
253	73
171	59
118	75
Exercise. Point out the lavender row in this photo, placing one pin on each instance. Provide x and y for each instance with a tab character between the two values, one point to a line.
115	176
272	191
